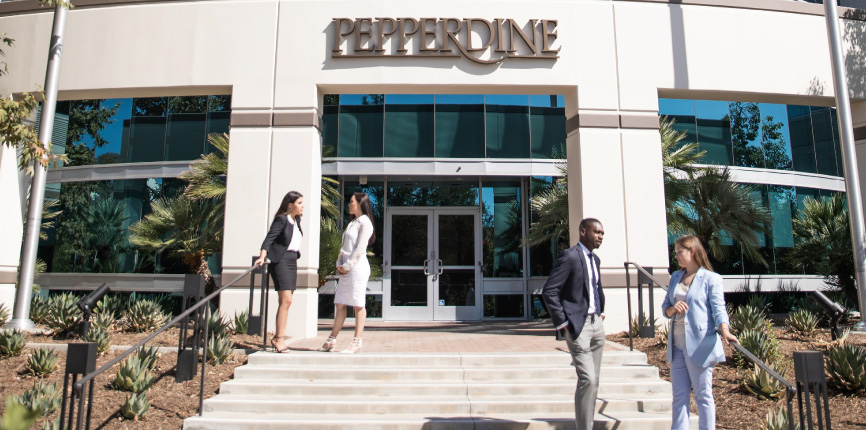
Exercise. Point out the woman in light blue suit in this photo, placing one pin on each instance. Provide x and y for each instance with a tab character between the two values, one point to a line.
695	300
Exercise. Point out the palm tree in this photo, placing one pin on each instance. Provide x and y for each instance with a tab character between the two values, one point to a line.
206	176
549	204
330	193
824	242
678	161
105	238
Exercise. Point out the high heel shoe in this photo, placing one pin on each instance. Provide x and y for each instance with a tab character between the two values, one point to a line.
329	344
354	347
277	348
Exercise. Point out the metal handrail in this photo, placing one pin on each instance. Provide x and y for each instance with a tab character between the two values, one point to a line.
790	389
628	295
78	387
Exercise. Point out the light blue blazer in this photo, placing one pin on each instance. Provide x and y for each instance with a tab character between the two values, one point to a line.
706	312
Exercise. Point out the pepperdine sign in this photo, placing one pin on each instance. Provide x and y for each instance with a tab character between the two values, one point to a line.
444	37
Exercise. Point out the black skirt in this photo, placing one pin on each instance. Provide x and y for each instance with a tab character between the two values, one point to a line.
285	272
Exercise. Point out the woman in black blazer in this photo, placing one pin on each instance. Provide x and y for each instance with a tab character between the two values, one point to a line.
282	246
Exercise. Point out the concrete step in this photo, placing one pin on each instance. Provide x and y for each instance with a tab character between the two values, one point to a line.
305	358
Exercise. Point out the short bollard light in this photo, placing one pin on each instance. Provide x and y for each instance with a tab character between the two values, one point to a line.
809	373
87	304
834	311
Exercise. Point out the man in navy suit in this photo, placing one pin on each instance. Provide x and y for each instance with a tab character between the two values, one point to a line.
575	301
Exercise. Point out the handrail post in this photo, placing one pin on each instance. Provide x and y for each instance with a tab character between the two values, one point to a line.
258	324
809	373
206	318
646	331
80	360
628	301
187	353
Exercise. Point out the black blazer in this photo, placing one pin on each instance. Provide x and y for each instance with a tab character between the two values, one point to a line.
566	292
279	237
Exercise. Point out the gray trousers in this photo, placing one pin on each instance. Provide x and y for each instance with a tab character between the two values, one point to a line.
586	353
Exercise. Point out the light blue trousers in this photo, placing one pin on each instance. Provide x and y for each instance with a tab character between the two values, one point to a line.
686	377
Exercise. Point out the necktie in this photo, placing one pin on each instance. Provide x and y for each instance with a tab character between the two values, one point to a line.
594	284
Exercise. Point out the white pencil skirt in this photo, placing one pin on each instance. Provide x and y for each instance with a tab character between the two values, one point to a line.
352	287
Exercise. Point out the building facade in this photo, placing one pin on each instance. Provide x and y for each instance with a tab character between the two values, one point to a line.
449	114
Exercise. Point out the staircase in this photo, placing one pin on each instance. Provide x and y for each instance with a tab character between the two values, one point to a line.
313	390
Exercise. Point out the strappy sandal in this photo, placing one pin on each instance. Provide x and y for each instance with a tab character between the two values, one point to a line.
276	348
329	344
354	347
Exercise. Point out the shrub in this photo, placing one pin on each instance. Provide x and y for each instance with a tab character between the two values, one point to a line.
747	318
762	385
219	349
41	362
778	421
802	321
100	337
148	357
133	376
112	303
758	301
242	322
145	315
845	367
642	320
42	398
63	313
12	342
104	320
135	407
762	343
39	309
17	416
4	315
217	325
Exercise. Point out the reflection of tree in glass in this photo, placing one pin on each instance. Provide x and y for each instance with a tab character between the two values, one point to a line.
193	104
105	238
219	103
745	127
373	99
776	155
153	106
433	196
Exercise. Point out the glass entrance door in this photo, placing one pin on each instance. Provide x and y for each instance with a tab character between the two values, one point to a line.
431	264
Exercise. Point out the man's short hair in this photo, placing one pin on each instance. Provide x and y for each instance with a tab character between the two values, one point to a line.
587	222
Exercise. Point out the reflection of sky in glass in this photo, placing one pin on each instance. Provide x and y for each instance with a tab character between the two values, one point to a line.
779	114
357	99
506	99
676	107
409	99
711	109
113	132
460	99
547	101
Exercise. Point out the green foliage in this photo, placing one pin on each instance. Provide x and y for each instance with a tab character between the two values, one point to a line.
330	240
802	321
42	397
16	416
762	343
12	342
66	4
133	375
242	322
41	362
219	349
747	318
206	177
145	315
549	205
845	367
135	407
760	384
678	159
758	301
100	337
778	421
4	315
63	313
149	357
39	309
640	320
16	133
104	320
217	325
664	333
111	303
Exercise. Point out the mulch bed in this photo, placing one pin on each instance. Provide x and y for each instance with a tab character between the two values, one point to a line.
736	408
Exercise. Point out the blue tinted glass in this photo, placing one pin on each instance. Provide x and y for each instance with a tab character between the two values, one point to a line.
361	99
330	137
775	136
714	131
682	112
746	134
113	133
802	143
507	126
409	99
506	100
825	145
361	129
409	126
555	101
547	126
460	99
459	126
501	220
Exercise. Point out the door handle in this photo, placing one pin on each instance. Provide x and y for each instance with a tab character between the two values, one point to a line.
439	272
426	273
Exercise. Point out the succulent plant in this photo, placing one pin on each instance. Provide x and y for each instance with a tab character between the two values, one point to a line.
41	362
63	313
100	337
52	425
136	406
845	366
242	322
762	344
219	349
111	303
104	320
12	342
747	318
133	376
145	315
778	421
39	309
762	385
217	325
640	320
148	357
757	301
664	333
42	397
4	315
802	321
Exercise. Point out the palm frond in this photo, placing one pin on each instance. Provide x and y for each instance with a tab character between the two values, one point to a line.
206	176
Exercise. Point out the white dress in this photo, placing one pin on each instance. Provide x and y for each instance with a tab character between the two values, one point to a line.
352	287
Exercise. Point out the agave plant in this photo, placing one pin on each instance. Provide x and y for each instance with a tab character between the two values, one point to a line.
42	397
778	421
242	322
12	342
219	349
41	362
217	325
762	385
104	320
4	315
39	309
845	366
133	376
145	315
762	344
641	320
664	333
747	318
802	321
112	303
63	313
148	357
758	301
100	337
136	406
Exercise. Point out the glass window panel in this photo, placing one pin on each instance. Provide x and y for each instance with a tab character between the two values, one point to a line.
782	209
330	133
409	240
217	122
146	138
219	103
457	287
185	136
764	248
376	192
542	256
432	193
775	136
539	308
501	225
360	127
683	114
825	145
507	125
503	306
459	126
837	142
190	104
746	134
408	288
714	131
802	144
112	135
409	125
547	125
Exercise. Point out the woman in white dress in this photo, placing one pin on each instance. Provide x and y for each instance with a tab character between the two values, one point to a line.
354	270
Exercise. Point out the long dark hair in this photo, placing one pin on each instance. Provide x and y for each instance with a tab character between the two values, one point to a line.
363	201
290	198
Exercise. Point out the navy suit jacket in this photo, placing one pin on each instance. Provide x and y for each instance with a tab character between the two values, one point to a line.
279	237
567	290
